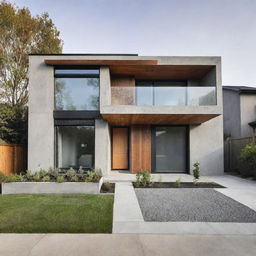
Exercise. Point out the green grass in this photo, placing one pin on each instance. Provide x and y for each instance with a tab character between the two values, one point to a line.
56	213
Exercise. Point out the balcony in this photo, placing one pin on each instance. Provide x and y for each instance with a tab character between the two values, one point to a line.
164	96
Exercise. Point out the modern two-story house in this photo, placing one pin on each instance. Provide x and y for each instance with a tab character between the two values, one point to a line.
125	113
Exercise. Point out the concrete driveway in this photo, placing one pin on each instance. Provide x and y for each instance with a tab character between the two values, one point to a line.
128	216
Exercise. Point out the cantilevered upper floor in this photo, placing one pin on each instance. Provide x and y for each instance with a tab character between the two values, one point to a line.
132	89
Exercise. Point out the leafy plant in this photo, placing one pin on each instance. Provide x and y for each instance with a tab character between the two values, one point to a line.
178	182
93	175
60	179
42	173
143	178
196	170
74	178
81	170
248	156
70	174
29	175
36	177
13	178
53	172
2	177
46	178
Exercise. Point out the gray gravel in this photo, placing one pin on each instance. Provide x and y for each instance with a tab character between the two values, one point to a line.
188	204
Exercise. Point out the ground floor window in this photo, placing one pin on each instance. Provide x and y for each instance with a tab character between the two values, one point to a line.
75	147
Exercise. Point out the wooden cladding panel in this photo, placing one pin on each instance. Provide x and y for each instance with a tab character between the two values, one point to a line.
128	119
140	148
13	158
120	147
123	90
179	72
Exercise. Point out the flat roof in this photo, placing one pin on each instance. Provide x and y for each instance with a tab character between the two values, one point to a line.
241	89
83	54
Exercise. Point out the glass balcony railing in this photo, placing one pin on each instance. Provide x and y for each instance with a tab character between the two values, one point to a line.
164	96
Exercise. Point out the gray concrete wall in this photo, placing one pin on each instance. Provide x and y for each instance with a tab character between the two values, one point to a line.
248	113
102	146
231	113
40	124
206	140
206	146
105	87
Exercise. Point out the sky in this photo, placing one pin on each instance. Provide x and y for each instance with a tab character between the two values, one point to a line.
225	28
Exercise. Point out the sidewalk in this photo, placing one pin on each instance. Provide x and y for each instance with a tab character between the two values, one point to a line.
124	244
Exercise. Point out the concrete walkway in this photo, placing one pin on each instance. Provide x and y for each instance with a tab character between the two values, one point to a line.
124	245
127	213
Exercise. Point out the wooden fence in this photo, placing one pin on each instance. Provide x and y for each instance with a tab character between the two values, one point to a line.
13	158
232	150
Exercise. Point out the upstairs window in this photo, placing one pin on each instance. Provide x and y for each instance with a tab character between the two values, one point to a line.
76	89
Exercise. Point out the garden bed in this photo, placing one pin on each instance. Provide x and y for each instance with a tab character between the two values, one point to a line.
107	188
51	188
180	185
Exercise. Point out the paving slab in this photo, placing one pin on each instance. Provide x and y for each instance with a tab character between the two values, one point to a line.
125	245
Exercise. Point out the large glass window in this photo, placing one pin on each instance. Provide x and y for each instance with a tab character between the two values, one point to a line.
74	147
76	89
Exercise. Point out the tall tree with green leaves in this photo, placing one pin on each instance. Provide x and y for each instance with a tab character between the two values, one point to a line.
21	34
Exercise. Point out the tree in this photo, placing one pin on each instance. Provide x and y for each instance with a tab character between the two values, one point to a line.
21	34
13	124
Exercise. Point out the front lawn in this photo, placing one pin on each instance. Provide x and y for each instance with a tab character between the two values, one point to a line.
56	213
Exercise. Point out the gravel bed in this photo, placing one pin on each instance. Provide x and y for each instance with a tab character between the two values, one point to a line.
188	204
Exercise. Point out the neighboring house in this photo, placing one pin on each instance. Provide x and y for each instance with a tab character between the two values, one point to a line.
239	111
125	113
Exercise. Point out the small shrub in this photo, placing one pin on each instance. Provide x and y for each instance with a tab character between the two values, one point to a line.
74	178
248	157
29	175
2	177
81	170
93	175
53	173
46	178
143	178
70	174
42	173
60	179
178	182
13	178
36	177
196	170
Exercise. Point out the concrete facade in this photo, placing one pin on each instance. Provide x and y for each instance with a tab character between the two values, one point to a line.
206	139
40	122
239	109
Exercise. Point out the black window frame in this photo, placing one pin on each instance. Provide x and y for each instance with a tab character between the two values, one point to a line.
76	114
71	123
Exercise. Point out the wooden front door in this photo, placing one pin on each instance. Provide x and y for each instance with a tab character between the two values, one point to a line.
120	148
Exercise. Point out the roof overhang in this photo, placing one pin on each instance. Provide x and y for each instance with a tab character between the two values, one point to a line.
163	119
99	62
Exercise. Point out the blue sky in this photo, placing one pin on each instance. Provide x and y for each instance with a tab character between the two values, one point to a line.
225	28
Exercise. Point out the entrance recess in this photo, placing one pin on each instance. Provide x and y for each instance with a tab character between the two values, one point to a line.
170	149
120	148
